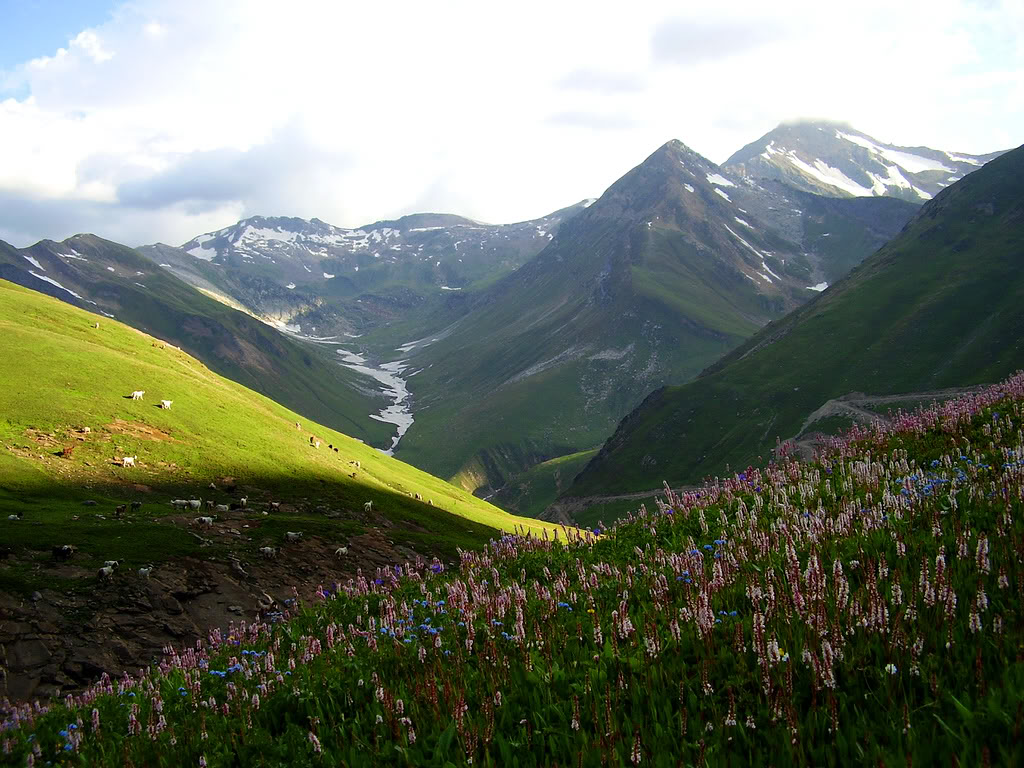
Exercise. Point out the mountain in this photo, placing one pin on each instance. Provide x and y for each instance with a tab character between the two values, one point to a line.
940	306
323	279
66	424
678	262
115	281
834	159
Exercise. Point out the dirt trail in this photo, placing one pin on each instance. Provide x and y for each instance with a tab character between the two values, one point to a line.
562	511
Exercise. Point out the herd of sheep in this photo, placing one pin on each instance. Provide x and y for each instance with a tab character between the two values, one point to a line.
64	552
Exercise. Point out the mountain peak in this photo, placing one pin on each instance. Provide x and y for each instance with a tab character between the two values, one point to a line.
836	160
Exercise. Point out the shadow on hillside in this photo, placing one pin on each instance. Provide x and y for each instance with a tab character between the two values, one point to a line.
427	519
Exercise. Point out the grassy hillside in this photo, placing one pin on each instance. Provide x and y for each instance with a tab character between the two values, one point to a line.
861	610
59	374
942	305
117	281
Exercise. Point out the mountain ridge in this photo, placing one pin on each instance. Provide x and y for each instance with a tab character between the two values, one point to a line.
936	307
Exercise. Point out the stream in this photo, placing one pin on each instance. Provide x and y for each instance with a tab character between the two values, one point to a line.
389	374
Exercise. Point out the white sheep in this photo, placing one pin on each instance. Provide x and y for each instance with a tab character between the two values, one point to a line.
144	572
243	501
112	564
341	551
268	552
205	522
128	461
179	503
275	506
166	404
138	393
220	508
106	572
367	506
195	503
95	325
297	425
14	517
292	535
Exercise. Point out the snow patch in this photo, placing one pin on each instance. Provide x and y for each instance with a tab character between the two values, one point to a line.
819	287
51	281
328	277
717	178
589	202
34	263
447	288
959	159
202	253
825	173
720	192
290	286
741	221
689	187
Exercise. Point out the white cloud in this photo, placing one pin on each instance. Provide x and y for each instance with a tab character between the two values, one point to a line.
178	116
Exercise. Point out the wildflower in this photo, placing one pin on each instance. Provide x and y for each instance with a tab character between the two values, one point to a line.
890	668
317	749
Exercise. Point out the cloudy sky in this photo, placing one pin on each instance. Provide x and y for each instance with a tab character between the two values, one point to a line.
156	120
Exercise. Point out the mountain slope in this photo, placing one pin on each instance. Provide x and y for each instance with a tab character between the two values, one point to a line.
834	159
58	375
674	265
116	281
942	305
330	280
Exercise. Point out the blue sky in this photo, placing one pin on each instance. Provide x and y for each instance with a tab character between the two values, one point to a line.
34	28
157	120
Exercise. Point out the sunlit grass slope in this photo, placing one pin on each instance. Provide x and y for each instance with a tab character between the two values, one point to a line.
58	373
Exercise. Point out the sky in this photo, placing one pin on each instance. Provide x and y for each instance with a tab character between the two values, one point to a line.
157	120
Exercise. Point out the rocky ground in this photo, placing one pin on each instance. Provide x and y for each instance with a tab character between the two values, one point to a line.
57	642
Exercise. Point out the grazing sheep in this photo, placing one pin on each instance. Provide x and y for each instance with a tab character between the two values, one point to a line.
195	503
297	425
112	564
212	486
166	404
144	572
180	503
106	573
275	506
119	511
243	501
128	461
419	497
430	502
64	552
341	551
95	325
219	507
367	506
314	441
209	504
136	506
355	464
204	522
268	552
16	517
335	450
292	535
138	393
